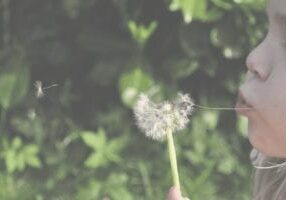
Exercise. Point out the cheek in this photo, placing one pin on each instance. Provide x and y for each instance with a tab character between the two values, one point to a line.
267	130
273	108
258	133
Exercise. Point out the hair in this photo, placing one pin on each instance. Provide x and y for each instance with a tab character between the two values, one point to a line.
269	177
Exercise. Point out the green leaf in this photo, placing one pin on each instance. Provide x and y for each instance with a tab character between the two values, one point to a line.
133	83
30	150
193	9
225	4
113	148
210	119
33	161
112	156
186	68
89	138
96	140
95	160
252	4
14	85
116	144
141	33
21	162
17	155
118	188
227	165
16	143
104	151
90	191
31	127
242	124
10	160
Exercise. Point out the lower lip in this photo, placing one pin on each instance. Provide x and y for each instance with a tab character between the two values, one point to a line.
243	109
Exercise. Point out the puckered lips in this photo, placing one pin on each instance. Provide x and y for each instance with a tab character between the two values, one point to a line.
243	107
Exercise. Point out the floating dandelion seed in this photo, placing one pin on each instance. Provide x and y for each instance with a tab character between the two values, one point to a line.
40	90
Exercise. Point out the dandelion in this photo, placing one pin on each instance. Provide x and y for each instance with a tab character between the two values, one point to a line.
161	120
40	90
154	119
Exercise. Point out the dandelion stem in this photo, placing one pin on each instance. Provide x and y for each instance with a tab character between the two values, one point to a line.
222	108
173	159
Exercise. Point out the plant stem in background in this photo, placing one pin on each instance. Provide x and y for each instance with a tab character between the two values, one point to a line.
173	158
6	23
2	120
146	180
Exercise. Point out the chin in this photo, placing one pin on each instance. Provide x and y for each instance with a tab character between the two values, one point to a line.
262	138
265	146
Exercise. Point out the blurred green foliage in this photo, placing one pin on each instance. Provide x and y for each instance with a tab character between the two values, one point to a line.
80	141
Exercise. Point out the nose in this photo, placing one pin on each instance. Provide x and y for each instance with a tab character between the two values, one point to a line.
258	62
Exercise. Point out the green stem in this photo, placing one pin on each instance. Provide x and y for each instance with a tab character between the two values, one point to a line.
173	159
146	180
2	119
6	22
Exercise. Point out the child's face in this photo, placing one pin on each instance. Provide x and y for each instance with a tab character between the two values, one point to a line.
265	86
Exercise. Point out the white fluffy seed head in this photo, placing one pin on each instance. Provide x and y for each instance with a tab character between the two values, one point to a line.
154	119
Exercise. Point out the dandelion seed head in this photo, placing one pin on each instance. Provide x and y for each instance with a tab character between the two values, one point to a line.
185	104
148	117
154	119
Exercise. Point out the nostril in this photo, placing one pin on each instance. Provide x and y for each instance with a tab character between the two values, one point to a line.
260	74
263	75
257	69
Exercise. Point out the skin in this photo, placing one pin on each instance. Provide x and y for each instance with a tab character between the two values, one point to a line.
175	194
265	89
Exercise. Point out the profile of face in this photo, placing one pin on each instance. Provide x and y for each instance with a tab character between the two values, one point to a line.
265	86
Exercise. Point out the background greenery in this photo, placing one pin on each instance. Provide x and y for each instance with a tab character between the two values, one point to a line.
79	141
